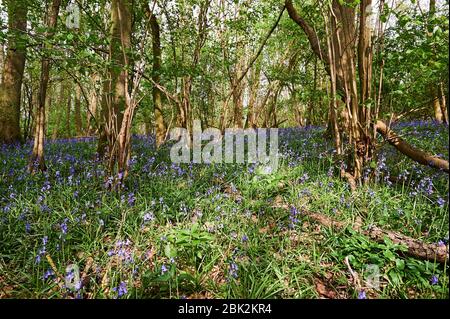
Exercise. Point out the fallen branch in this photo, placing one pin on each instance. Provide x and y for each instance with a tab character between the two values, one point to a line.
413	153
415	247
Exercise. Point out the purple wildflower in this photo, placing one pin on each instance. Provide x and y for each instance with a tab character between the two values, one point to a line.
434	280
164	269
121	290
233	271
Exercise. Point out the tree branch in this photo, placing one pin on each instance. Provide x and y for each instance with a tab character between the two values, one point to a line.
312	35
413	153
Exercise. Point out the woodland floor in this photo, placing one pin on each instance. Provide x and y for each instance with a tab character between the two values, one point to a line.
218	231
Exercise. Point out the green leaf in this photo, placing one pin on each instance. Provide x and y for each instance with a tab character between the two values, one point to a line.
389	255
400	264
170	251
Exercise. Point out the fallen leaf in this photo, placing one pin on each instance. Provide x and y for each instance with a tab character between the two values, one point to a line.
324	291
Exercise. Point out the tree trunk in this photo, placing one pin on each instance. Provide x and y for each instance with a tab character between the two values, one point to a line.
68	120
92	104
59	111
37	161
13	68
2	59
115	138
237	89
433	89
78	121
443	103
160	125
438	117
255	79
29	112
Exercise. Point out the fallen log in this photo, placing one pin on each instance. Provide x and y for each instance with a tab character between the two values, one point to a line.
413	153
415	247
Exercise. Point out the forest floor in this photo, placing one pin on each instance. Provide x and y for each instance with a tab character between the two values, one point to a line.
219	231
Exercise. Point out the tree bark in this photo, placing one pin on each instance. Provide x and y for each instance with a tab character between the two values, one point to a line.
92	104
433	88
37	161
413	153
69	111
117	112
255	79
115	88
160	125
443	103
78	121
13	68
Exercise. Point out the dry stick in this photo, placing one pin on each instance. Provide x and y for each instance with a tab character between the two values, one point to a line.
355	276
59	277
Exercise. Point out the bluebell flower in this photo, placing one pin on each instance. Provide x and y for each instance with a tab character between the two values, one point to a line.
49	273
434	280
63	227
233	271
441	202
131	199
121	290
164	269
148	217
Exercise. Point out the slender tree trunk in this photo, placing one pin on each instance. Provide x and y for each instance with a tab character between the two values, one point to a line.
313	99
332	122
13	68
433	89
92	104
59	111
443	103
113	103
237	89
78	121
68	119
255	79
102	145
115	139
160	125
438	116
37	161
29	112
2	59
